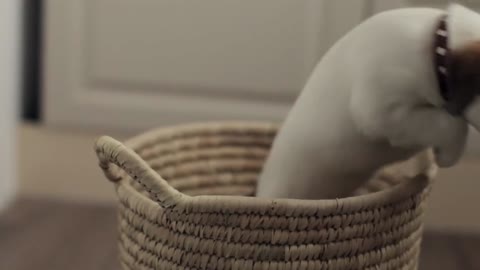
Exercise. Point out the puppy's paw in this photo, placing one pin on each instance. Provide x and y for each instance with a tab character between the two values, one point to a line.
403	142
397	138
453	144
445	159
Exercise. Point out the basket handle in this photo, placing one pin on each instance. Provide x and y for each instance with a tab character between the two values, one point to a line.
111	152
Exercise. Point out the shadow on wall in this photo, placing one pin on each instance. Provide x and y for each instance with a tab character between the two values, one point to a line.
10	49
31	79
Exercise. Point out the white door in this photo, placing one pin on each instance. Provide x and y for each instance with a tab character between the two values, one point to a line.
139	64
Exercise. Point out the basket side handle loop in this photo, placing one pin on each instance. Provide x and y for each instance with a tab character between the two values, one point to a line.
114	156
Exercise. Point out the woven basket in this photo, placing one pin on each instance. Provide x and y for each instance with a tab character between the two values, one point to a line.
184	204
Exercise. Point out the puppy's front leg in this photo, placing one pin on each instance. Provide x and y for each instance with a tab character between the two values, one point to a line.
409	126
384	106
451	151
430	127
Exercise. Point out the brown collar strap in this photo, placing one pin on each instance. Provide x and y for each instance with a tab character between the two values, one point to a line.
441	58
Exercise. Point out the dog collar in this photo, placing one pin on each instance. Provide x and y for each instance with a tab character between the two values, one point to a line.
441	59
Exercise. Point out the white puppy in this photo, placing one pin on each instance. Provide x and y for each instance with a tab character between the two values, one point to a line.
399	83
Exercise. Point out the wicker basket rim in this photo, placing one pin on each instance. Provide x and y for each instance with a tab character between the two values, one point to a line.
124	158
294	207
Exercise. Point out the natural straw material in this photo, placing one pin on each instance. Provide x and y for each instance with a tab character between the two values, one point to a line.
170	184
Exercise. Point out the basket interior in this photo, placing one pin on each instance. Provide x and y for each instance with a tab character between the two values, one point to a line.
223	162
228	162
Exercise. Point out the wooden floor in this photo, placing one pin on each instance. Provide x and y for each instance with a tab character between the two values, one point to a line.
53	235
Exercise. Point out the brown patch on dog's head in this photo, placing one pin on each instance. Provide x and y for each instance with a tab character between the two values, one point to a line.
466	60
465	75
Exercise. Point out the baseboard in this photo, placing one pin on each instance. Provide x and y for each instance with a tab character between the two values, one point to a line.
62	164
454	201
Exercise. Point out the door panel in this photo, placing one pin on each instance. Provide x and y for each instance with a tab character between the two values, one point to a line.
137	64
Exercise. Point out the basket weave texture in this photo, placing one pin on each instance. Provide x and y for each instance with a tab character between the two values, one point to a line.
184	204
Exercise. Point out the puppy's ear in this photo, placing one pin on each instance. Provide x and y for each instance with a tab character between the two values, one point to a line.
464	78
466	82
466	59
465	67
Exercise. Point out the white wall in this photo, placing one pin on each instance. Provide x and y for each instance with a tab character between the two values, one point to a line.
10	29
